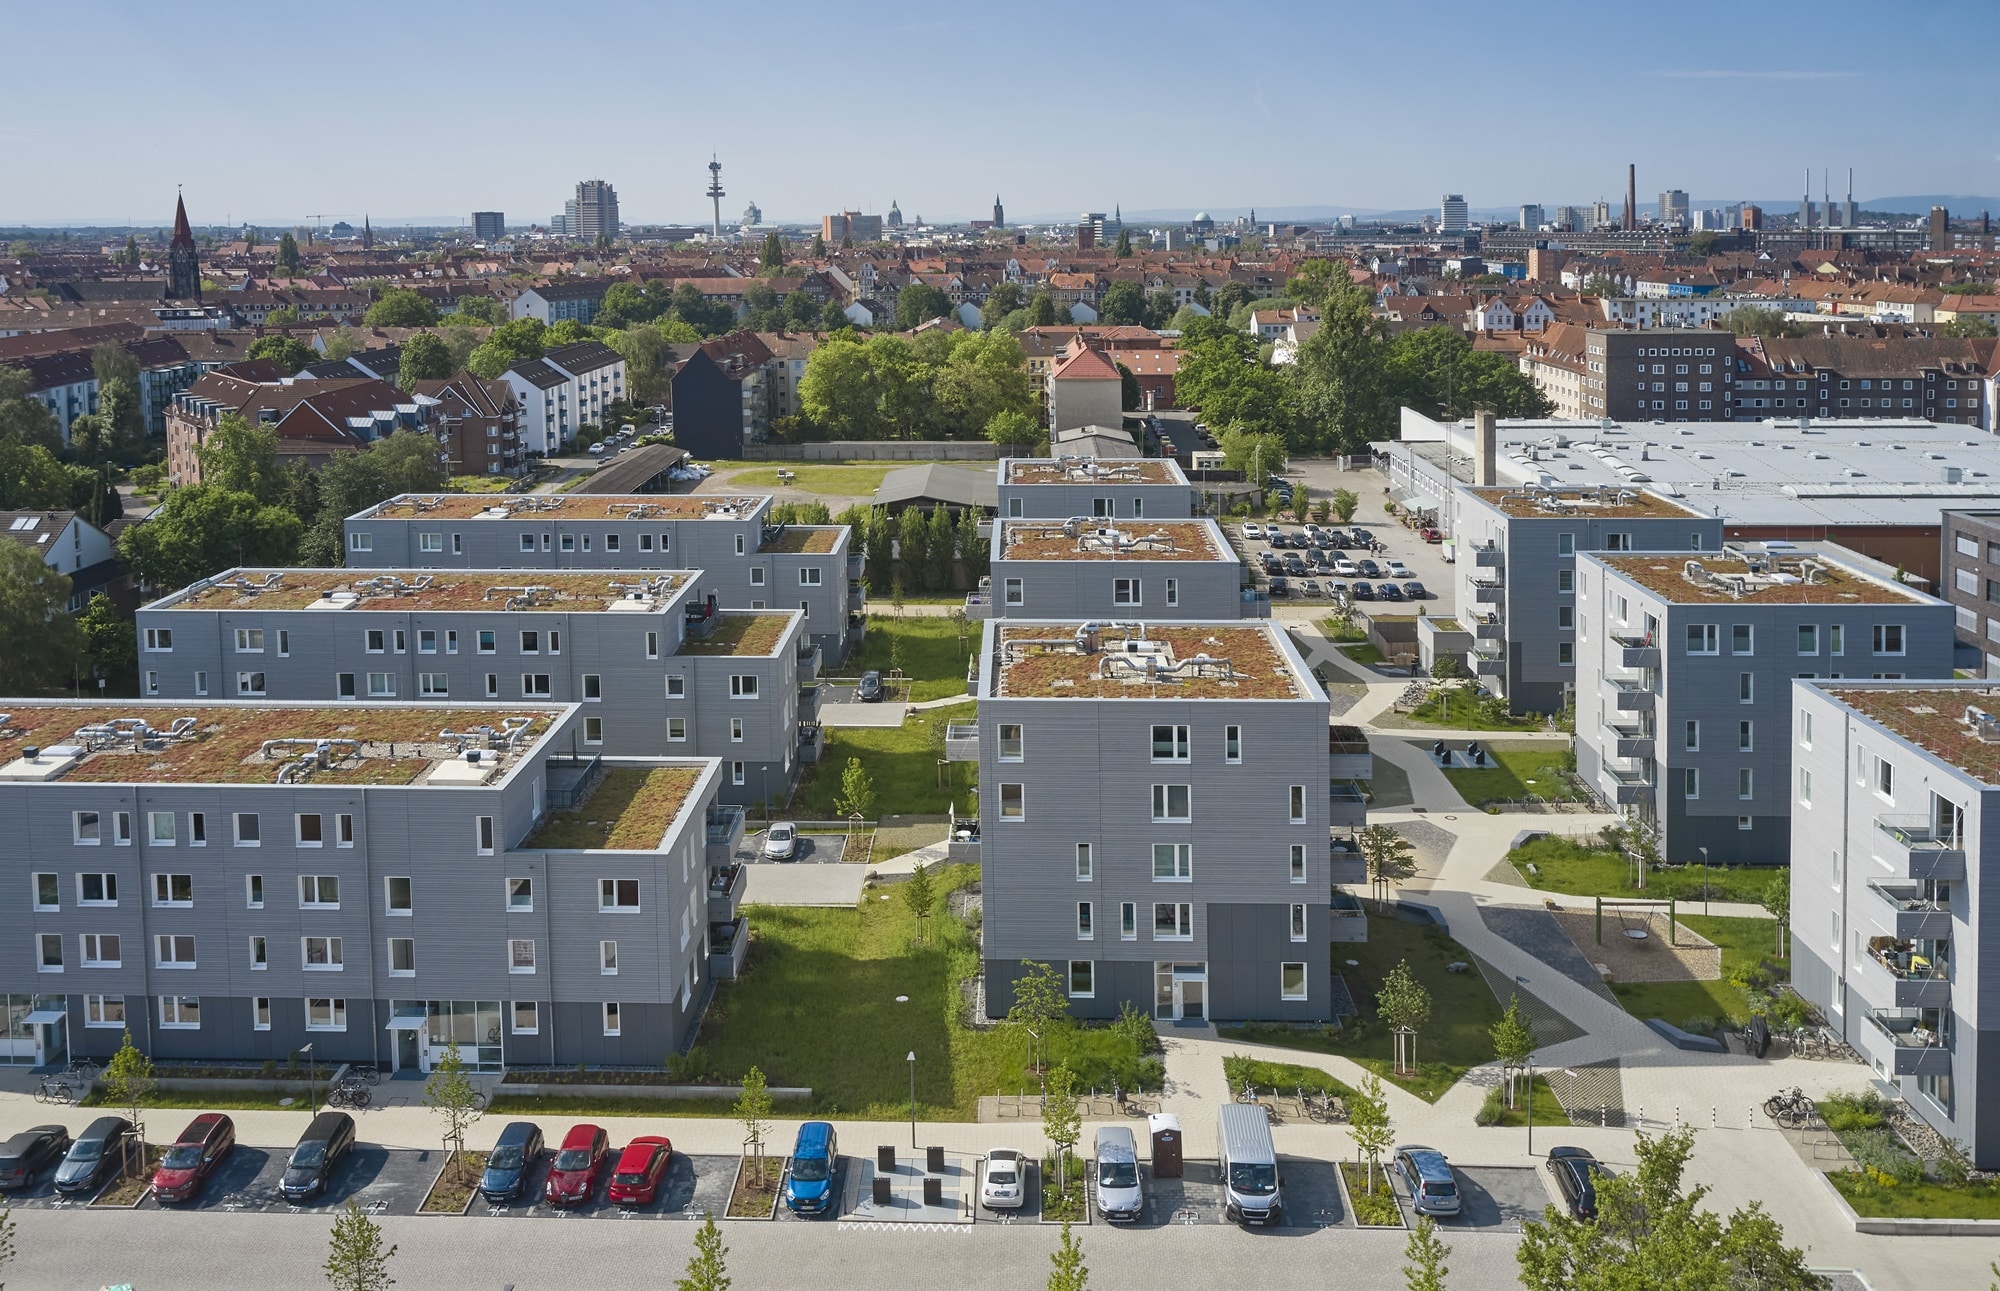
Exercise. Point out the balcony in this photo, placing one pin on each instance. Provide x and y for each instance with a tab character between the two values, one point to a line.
856	562
857	595
1631	740
1629	696
1348	864
1915	1049
978	605
811	741
1349	922
808	663
1348	805
725	892
1348	754
725	833
728	948
1909	911
1489	558
1899	976
1637	652
1489	594
1920	849
1623	786
961	742
1489	629
1487	660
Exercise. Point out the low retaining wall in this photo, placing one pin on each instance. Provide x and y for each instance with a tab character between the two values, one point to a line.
249	1084
885	450
639	1091
1884	1227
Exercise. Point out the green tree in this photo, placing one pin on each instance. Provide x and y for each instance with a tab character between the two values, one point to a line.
940	548
282	316
31	479
1003	299
1436	371
1513	1044
1042	309
449	1092
240	458
1069	1273
881	557
772	256
1344	504
129	257
401	307
288	256
1426	1253
1130	395
1123	248
1404	1006
706	1270
290	355
833	317
1221	375
1228	298
1368	1124
1124	303
1391	859
1651	1231
356	1259
479	309
339	342
818	248
973	551
25	420
1062	1119
1016	430
110	643
1599	284
753	1112
566	331
1702	242
1257	455
202	530
44	644
1777	899
919	303
425	358
1970	328
1338	376
919	895
857	791
1315	280
913	544
1040	1005
128	1080
982	375
112	362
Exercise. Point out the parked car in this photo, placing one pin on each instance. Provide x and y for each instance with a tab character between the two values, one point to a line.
1427	1175
1363	592
1576	1172
1311	588
97	1152
1346	568
30	1152
573	1177
1369	569
1119	1196
1396	568
1004	1185
325	1143
1334	537
870	689
1362	537
1339	590
1271	564
1295	564
1429	534
1389	592
815	1160
1253	532
781	841
597	449
1416	591
205	1144
1280	588
635	1180
513	1158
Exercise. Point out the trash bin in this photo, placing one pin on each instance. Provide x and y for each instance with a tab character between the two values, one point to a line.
933	1191
880	1192
1165	1128
934	1159
885	1159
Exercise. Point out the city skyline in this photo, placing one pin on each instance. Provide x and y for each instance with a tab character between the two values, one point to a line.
1683	92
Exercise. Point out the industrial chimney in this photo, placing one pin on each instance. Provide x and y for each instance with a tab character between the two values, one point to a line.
1631	220
1485	448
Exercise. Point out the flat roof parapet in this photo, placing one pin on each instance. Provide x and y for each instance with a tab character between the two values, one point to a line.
1085	538
565	506
433	590
1134	660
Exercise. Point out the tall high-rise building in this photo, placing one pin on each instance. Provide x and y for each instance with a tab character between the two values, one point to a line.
1451	214
1940	229
1572	219
1531	216
596	210
1673	206
1753	218
183	259
489	226
1600	214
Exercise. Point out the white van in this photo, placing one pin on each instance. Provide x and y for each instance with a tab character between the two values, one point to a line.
1249	1161
1119	1197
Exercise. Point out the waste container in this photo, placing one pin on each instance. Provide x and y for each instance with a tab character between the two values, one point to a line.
934	1159
1165	1128
885	1159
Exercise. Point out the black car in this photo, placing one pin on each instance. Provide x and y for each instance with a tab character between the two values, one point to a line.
1361	537
1369	568
1576	1172
1363	592
329	1138
511	1161
1333	537
97	1152
29	1153
1389	592
1281	588
1416	591
870	689
1277	539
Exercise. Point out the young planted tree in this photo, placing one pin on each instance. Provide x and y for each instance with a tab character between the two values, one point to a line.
1040	1002
1368	1124
450	1093
128	1079
1426	1254
1390	858
1344	504
706	1270
1062	1120
357	1260
1777	898
919	894
753	1112
1513	1044
857	791
1069	1273
1404	1005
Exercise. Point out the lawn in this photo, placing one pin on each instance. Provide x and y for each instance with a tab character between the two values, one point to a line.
1363	653
1284	1077
1336	631
1701	1006
840	479
1374	1206
902	761
1455	708
817	1007
486	484
1548	1111
1517	770
928	648
1566	865
559	1105
1456	1039
1927	1200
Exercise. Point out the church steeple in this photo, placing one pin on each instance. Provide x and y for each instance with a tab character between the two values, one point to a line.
367	235
183	259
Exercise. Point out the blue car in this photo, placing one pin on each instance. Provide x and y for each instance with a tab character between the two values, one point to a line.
512	1160
809	1183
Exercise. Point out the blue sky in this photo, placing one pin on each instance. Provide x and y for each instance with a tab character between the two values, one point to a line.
279	112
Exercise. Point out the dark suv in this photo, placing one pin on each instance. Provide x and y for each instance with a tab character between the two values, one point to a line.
329	1138
29	1153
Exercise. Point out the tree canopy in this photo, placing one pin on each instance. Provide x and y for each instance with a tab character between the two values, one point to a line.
44	644
948	385
289	354
202	530
401	307
425	358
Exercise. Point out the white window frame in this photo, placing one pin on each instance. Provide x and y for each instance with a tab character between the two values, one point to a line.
333	1015
521	960
1285	969
1164	804
610	894
1089	991
410	945
1179	862
333	953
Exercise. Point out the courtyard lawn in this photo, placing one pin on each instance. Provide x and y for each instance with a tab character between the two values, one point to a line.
1567	865
1701	1006
836	479
933	659
817	1007
902	761
1516	771
1363	653
1872	1198
1456	708
1548	1111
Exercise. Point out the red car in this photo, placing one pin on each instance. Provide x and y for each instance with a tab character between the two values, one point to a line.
203	1145
574	1175
635	1181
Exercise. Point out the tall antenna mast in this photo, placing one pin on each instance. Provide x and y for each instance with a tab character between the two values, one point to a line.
715	193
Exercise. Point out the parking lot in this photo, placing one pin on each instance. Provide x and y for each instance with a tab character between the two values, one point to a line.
812	849
693	1186
1315	565
1490	1196
380	1180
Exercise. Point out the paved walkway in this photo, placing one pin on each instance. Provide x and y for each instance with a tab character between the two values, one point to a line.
808	885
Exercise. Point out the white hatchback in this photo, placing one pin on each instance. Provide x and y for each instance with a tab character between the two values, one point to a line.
781	843
1004	1186
1253	532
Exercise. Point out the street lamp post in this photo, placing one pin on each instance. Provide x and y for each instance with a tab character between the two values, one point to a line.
1704	880
913	1099
1531	1106
312	1084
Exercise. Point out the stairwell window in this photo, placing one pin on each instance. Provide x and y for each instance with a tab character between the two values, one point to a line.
1013	747
1083	861
1173	803
1745	783
1128	921
1298	804
1084	917
1298	922
1232	744
1298	863
1173	863
1746	687
1013	802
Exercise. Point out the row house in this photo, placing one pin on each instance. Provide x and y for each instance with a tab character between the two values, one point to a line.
478	421
566	389
1937	379
576	299
312	419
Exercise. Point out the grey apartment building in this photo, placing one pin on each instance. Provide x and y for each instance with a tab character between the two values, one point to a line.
1970	580
1105	569
1157	820
1659	374
743	562
1684	670
380	881
1101	488
655	671
1516	574
1896	804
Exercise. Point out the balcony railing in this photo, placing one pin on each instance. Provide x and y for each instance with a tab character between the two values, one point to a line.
1917	914
725	824
1348	805
1637	651
1927	851
961	742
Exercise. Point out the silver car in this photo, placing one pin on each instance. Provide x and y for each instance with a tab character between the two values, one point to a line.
1004	1186
781	842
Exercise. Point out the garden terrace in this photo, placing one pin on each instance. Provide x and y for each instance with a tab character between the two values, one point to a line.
416	589
753	633
193	743
512	506
631	810
1063	661
1103	540
1752	578
1606	503
811	540
1933	719
1079	470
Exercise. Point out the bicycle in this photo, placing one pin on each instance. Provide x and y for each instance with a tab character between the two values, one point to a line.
54	1090
83	1069
1318	1106
478	1101
349	1093
370	1074
1789	1108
